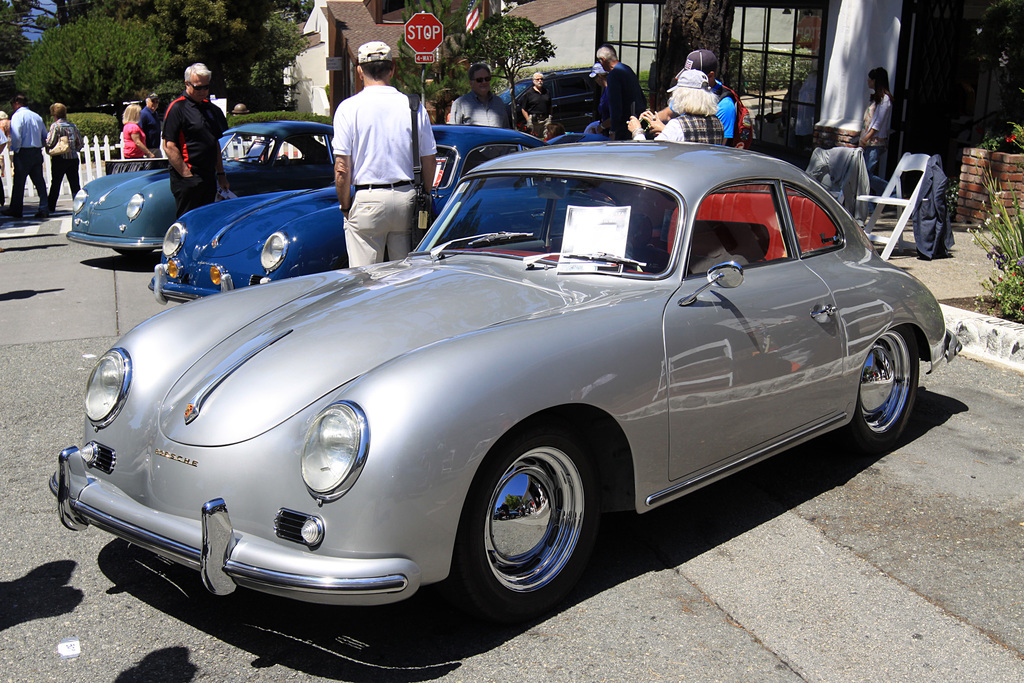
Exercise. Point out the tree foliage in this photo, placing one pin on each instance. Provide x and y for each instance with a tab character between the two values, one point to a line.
13	47
443	81
92	61
510	44
688	25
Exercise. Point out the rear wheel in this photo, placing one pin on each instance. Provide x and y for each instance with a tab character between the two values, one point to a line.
888	388
527	529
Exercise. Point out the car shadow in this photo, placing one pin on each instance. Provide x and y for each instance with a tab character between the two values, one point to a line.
142	262
425	637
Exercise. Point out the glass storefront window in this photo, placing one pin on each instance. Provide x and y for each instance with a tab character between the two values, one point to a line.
774	62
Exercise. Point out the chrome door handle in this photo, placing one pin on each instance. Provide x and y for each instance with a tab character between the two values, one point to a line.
823	313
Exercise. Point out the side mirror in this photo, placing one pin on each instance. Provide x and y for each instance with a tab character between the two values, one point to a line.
728	274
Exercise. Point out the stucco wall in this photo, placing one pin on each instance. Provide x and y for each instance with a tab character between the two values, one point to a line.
573	40
862	34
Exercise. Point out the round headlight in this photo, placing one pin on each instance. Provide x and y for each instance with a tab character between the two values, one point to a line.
81	197
334	450
135	206
274	251
108	386
173	239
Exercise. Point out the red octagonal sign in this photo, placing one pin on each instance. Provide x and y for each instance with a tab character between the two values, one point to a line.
423	32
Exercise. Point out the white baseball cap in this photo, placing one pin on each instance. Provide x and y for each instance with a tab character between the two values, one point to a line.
374	51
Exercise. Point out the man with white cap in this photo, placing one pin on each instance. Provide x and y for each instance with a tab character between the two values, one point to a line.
373	152
705	61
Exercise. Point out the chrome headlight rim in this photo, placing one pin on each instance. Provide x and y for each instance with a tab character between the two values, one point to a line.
123	363
134	206
341	483
174	239
274	251
81	197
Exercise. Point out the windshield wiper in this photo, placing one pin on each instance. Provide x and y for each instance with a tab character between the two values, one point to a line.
484	240
600	256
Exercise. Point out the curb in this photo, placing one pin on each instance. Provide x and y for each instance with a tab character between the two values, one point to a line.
985	338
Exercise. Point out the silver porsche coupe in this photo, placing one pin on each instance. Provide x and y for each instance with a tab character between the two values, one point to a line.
584	329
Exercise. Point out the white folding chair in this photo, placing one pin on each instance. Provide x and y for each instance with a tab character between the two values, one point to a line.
893	196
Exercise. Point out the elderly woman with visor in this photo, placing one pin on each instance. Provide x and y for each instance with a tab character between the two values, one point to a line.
696	107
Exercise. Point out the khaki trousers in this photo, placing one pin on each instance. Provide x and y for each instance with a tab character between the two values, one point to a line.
378	219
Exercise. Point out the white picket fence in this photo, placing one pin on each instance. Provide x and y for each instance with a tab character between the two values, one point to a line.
93	159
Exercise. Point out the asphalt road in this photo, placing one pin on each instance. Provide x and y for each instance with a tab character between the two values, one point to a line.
815	565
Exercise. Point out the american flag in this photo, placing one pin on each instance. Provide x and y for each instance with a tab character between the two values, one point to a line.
473	18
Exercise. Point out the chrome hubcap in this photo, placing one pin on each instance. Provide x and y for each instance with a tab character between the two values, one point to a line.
534	519
885	382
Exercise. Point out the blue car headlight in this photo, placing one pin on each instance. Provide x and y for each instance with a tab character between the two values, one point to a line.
174	238
274	251
134	207
334	450
108	387
81	197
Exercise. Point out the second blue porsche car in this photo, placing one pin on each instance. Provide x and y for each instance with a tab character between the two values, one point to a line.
130	212
253	240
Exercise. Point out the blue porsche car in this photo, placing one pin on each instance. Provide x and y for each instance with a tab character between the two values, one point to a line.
130	212
253	240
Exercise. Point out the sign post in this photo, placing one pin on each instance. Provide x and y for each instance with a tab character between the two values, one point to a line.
424	33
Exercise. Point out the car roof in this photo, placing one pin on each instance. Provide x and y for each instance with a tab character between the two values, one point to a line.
474	135
283	128
689	167
558	72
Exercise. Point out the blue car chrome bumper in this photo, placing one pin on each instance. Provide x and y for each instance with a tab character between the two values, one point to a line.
125	243
166	290
224	557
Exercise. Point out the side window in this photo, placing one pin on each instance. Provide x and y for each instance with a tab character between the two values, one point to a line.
740	224
815	229
479	155
573	85
303	150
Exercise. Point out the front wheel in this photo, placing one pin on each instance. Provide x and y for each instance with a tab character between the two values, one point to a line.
888	388
527	528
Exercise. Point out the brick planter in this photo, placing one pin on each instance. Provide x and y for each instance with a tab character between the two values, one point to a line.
975	166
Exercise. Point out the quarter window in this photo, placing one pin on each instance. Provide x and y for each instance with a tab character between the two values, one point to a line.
815	229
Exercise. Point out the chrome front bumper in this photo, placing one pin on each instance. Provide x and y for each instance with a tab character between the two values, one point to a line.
166	290
224	557
134	244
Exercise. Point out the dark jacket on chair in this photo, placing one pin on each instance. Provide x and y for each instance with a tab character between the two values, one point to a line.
932	230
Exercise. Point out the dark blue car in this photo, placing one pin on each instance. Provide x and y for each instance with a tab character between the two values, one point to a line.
252	240
130	212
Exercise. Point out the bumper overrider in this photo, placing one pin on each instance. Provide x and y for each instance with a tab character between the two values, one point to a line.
224	557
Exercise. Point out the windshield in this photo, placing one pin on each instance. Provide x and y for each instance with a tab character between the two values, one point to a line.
565	217
248	147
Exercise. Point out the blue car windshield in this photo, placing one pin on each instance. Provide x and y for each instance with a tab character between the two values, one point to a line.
560	215
248	148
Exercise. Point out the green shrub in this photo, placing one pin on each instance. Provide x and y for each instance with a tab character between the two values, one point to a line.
267	116
90	124
1002	236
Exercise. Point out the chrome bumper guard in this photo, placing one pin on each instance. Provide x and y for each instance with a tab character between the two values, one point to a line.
220	573
159	282
951	346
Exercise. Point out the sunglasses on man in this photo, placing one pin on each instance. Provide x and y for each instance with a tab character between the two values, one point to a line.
485	79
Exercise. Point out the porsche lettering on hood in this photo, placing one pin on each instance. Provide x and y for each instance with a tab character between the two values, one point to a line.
346	328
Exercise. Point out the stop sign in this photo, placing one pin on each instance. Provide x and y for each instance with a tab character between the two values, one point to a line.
423	32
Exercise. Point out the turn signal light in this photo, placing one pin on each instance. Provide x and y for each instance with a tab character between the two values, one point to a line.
215	275
173	268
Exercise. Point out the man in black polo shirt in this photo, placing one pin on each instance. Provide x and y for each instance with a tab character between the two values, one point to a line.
192	130
537	106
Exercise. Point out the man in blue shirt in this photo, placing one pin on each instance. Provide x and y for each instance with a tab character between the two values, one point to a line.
149	123
625	98
705	60
28	134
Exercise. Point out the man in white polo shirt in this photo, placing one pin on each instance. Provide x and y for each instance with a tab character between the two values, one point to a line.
373	152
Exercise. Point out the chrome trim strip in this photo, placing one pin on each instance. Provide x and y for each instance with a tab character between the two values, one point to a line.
393	583
204	392
189	556
679	489
142	243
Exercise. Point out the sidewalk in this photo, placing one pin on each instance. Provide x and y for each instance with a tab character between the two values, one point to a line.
955	282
